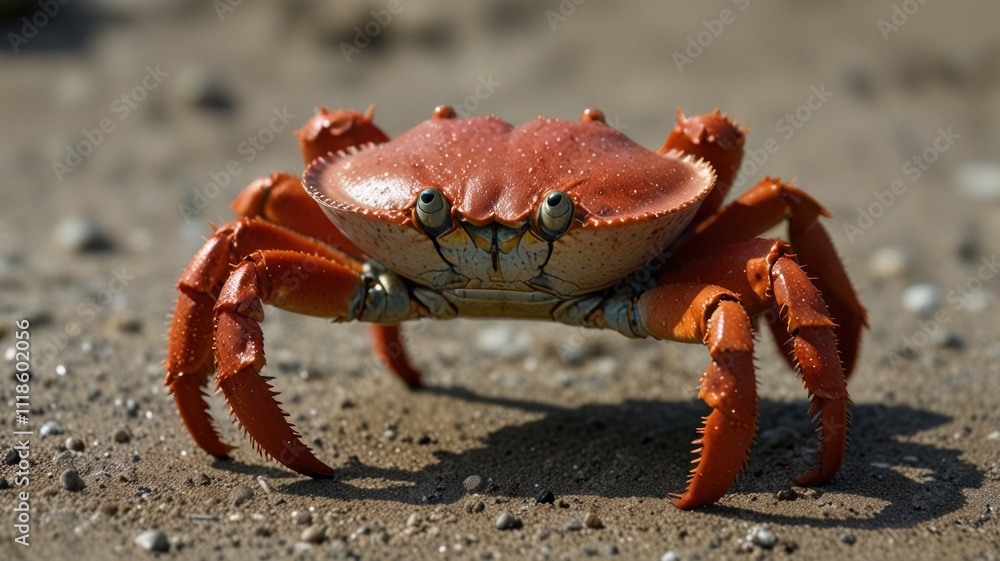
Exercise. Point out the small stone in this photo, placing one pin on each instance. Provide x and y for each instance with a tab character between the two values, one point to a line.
302	519
50	428
507	521
995	435
314	534
573	526
71	480
592	521
761	537
4	484
888	262
503	342
670	556
979	180
413	521
545	497
787	495
922	298
75	444
12	458
121	436
203	87
610	549
849	539
153	540
475	507
472	483
948	339
80	235
240	494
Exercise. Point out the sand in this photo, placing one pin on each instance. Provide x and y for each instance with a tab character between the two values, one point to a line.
172	96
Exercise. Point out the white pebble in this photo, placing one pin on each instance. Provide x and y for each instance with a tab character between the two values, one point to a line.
888	262
995	435
761	537
153	540
670	556
979	180
921	298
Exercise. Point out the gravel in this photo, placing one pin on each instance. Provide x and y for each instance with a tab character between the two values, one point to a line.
507	521
240	494
921	298
71	480
153	540
761	537
545	496
472	483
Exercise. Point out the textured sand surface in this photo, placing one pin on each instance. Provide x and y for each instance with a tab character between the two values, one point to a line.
89	253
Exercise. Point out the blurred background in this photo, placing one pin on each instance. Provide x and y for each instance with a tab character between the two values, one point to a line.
129	126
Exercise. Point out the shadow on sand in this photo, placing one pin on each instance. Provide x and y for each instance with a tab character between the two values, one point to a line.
640	449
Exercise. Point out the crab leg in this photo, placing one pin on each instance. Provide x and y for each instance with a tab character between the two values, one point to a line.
763	207
189	352
703	313
763	276
305	284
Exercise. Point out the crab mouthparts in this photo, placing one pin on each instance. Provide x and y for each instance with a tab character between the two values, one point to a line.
495	239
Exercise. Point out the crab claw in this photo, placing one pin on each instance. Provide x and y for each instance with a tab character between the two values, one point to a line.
333	131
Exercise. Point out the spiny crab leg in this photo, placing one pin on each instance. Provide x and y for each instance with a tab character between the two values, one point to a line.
761	274
305	284
189	354
766	205
702	313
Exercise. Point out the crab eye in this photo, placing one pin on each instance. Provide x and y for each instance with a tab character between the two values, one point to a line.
433	212
555	214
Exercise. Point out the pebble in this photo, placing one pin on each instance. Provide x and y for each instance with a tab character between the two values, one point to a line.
240	495
80	235
948	339
670	556
4	484
12	458
761	537
502	342
153	540
71	481
921	298
787	495
203	87
413	521
887	262
507	521
51	428
302	519
75	444
475	507
592	521
472	483
314	534
545	496
979	180
121	436
125	322
849	539
995	435
573	526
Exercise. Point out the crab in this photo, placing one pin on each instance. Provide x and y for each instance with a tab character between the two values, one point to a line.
552	220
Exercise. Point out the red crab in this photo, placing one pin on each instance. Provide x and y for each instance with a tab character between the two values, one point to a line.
476	218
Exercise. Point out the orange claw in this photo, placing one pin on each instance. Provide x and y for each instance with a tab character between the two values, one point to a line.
716	139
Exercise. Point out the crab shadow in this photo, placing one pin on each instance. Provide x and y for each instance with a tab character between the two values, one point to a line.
640	448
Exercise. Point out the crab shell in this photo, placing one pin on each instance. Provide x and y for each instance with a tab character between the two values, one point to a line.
629	202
